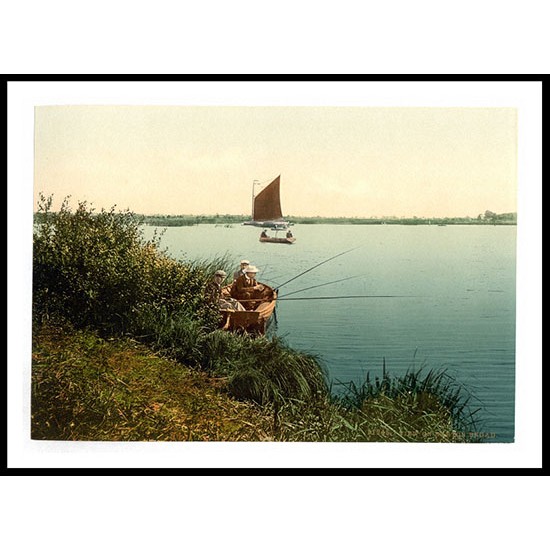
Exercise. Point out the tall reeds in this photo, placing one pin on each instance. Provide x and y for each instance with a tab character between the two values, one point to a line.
420	403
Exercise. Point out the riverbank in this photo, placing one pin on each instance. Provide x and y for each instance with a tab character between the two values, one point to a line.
88	388
227	219
181	220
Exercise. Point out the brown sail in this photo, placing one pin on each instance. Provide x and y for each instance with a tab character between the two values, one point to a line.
267	204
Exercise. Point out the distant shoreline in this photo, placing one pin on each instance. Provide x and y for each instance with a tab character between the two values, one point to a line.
180	220
225	219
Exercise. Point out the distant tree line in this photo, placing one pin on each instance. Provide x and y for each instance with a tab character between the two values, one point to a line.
185	219
491	217
179	220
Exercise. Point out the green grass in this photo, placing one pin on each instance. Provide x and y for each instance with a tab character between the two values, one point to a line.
85	387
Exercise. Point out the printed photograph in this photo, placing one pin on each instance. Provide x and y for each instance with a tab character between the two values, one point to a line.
274	273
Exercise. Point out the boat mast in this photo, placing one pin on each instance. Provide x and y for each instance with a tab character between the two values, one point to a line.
255	182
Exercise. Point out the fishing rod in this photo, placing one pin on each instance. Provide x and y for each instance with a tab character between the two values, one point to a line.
268	269
269	280
260	300
319	264
324	284
344	297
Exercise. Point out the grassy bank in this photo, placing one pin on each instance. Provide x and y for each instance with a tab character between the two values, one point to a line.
125	347
88	388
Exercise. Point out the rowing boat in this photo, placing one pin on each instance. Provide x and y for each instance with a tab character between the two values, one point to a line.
283	240
257	315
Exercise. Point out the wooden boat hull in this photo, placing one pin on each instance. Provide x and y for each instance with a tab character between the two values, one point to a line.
282	225
253	321
282	240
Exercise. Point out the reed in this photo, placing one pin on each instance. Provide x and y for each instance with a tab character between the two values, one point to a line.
267	371
413	401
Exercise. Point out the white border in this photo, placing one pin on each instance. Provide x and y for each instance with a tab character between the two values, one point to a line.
525	452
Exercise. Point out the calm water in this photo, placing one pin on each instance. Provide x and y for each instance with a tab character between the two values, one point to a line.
456	304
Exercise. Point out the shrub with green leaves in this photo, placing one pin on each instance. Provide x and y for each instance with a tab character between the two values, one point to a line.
95	269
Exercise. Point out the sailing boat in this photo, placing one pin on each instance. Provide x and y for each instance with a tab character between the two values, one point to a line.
267	213
266	206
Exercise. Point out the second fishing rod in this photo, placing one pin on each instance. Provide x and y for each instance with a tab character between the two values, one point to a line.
316	266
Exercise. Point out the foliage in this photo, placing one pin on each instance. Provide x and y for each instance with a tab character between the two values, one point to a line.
95	269
419	407
499	219
258	369
265	370
176	335
187	220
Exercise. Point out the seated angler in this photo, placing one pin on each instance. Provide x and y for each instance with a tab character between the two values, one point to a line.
240	271
213	293
247	290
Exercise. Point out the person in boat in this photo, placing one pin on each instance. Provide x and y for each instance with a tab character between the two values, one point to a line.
264	234
247	290
240	271
213	293
289	234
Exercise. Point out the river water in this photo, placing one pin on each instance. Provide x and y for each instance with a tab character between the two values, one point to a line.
440	297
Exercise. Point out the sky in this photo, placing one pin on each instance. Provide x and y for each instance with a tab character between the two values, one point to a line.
345	161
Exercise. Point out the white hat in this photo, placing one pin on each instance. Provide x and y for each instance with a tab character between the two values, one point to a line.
245	262
220	272
251	269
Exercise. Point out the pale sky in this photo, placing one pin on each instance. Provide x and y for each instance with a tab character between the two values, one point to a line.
333	161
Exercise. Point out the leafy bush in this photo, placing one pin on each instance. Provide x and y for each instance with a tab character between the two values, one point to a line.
95	269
